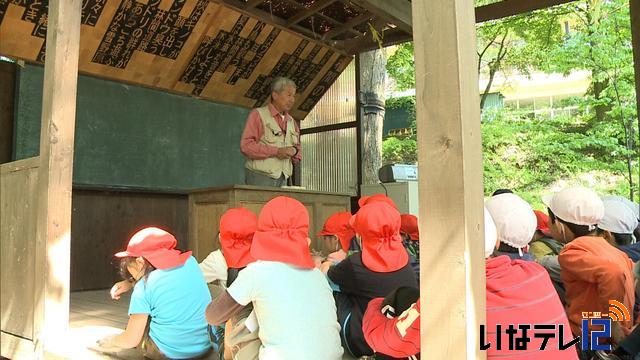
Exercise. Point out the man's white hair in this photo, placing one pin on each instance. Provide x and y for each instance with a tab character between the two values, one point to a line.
280	83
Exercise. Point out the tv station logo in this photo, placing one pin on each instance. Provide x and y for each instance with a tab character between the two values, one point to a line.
595	326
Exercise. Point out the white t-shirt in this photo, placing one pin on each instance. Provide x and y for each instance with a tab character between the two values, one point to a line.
214	267
295	309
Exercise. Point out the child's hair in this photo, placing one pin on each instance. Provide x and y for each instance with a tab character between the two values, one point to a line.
124	270
577	230
620	239
504	247
623	239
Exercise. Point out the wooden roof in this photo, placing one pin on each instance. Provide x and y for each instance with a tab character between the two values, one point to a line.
225	50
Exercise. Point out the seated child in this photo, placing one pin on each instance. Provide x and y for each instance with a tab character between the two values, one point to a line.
518	291
166	313
505	209
237	227
291	298
543	243
382	266
593	271
338	238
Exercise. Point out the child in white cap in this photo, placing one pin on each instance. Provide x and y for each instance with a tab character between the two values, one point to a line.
618	223
516	224
518	292
593	271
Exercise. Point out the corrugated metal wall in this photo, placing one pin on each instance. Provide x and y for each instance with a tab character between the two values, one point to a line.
338	105
329	158
329	161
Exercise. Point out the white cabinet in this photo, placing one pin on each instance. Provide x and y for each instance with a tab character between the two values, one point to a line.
404	194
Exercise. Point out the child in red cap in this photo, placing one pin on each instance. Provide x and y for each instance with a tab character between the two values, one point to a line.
543	244
235	224
166	312
237	227
411	241
381	267
339	237
291	298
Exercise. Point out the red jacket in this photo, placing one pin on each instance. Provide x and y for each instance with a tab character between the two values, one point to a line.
520	292
398	337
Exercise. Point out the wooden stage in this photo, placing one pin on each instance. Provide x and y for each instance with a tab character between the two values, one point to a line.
92	315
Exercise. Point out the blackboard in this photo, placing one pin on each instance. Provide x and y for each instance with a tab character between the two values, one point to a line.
130	136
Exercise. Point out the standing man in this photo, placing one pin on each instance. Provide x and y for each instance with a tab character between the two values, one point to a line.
271	138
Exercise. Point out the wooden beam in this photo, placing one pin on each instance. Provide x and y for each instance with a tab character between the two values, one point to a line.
346	26
51	316
330	127
253	3
13	347
398	12
314	8
634	10
450	181
272	20
366	43
508	8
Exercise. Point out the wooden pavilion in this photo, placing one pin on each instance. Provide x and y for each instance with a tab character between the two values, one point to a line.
227	51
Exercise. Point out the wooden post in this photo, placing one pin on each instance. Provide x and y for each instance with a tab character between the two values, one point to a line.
51	313
452	279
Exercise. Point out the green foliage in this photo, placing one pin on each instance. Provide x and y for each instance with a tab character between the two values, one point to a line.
399	151
401	66
517	43
533	156
405	102
598	148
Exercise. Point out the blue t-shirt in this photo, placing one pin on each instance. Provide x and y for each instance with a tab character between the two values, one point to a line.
176	300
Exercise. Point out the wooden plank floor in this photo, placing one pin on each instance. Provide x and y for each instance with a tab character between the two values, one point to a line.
93	315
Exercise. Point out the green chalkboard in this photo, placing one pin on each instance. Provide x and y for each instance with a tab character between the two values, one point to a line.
129	136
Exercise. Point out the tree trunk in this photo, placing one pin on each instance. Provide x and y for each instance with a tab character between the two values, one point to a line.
598	89
372	81
487	89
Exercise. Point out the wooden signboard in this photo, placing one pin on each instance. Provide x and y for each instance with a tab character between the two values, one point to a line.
193	47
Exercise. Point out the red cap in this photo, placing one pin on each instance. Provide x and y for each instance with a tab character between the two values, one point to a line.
283	230
543	222
237	227
409	226
365	200
338	225
379	226
157	247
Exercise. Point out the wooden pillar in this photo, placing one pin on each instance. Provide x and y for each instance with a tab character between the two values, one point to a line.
452	279
635	39
51	315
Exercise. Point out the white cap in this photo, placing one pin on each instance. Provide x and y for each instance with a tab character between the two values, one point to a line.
514	218
490	234
576	205
618	217
635	207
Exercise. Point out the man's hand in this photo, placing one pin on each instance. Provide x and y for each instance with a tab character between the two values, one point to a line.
120	288
286	152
